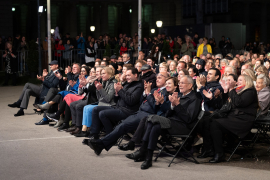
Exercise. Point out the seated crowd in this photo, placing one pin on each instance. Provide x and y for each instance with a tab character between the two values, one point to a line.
149	100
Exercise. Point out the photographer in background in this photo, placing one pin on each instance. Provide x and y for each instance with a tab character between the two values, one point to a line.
11	64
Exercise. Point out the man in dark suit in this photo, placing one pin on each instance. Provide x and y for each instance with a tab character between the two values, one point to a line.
147	107
49	80
127	98
126	59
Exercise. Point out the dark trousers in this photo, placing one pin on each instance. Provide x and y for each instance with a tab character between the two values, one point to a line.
76	109
204	129
151	135
29	90
128	125
51	94
138	135
105	116
14	78
217	134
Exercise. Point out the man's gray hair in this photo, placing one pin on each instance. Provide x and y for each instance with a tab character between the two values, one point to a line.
233	69
126	54
188	57
189	78
266	81
219	56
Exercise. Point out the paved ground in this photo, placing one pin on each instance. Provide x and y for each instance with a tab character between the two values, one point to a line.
30	152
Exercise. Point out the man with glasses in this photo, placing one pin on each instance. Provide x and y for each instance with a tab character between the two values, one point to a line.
130	124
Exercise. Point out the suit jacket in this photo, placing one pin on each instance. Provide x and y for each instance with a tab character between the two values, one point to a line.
50	81
128	99
148	103
91	95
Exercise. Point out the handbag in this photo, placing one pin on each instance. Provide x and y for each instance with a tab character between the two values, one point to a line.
223	111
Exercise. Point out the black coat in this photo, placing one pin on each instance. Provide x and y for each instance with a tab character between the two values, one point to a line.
91	95
128	99
63	85
186	113
149	77
241	118
13	61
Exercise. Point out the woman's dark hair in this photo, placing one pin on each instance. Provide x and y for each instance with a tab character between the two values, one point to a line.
175	80
234	77
184	71
195	70
87	69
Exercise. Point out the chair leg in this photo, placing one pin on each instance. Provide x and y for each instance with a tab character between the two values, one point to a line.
177	152
160	151
234	151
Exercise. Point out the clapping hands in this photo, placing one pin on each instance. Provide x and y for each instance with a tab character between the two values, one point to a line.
117	87
158	97
147	87
174	99
98	85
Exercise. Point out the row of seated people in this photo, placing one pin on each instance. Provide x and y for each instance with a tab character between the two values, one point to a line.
149	104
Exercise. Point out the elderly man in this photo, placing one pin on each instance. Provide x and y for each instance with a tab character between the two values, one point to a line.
49	80
229	70
187	48
245	66
236	65
181	118
126	59
131	123
263	90
186	59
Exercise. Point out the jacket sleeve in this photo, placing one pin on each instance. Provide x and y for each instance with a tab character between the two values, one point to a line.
165	106
209	48
131	98
52	84
107	96
190	113
244	99
199	51
184	48
264	101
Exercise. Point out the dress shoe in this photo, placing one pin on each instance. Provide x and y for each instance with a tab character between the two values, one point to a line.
59	123
85	142
126	147
35	106
206	154
82	134
97	147
219	157
44	106
19	113
73	128
53	117
14	105
42	122
63	126
146	164
77	131
137	156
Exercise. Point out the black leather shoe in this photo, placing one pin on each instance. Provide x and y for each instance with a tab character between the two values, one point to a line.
126	147
137	156
63	127
19	113
146	164
82	134
85	141
219	157
206	154
97	147
73	128
42	122
14	105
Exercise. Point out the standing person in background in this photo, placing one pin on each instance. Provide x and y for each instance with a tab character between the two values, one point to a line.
90	54
67	53
58	51
11	62
123	49
23	46
188	47
204	48
81	46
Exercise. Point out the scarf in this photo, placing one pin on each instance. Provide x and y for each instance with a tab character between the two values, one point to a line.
239	88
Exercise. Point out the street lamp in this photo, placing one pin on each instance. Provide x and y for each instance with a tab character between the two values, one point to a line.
92	28
153	31
13	9
130	10
52	31
40	9
159	23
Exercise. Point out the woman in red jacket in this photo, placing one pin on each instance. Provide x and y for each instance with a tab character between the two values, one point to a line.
123	49
58	50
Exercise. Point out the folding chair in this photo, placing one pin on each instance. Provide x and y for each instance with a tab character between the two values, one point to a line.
250	142
182	147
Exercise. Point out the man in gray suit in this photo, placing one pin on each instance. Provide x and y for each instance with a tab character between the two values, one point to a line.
49	80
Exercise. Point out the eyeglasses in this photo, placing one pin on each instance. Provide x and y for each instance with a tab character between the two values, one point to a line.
181	83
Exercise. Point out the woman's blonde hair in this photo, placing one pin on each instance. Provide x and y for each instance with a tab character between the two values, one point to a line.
164	64
262	69
109	71
249	82
250	73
